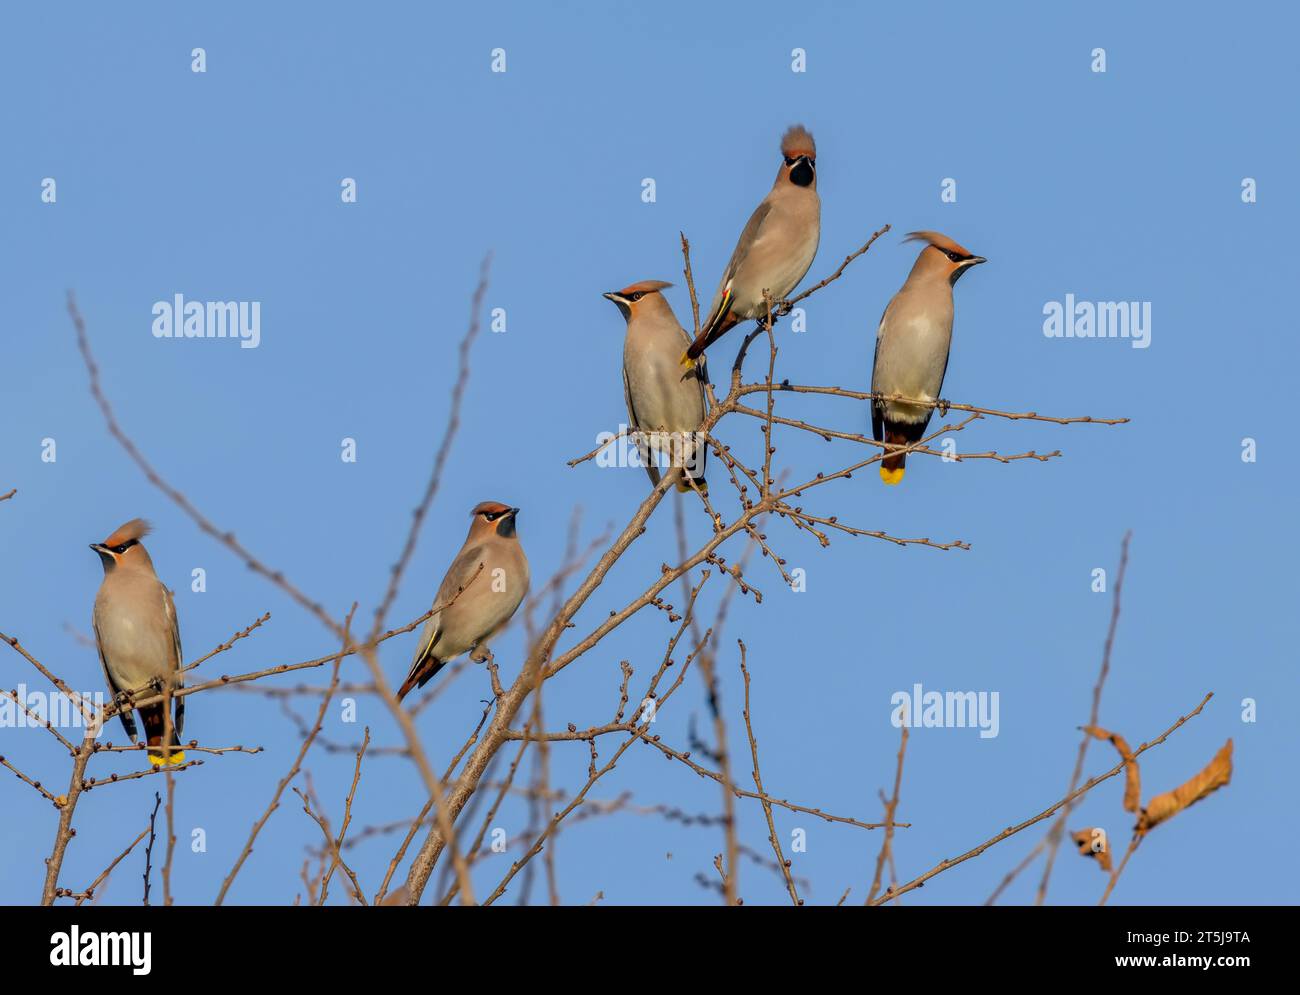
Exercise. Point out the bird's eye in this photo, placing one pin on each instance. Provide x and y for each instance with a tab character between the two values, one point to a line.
638	295
789	161
120	549
491	516
954	257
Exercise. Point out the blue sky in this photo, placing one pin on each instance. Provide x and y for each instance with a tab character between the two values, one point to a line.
1116	186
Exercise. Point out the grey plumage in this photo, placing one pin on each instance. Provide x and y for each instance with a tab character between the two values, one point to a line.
665	403
480	593
138	636
912	346
776	247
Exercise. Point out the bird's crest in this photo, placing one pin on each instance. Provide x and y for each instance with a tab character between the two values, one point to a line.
136	528
644	287
798	141
490	507
938	240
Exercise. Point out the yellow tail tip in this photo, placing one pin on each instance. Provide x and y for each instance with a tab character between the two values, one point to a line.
172	760
687	361
684	487
891	476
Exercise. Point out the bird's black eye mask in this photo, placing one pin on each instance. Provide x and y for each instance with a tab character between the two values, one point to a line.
960	271
802	170
624	303
119	550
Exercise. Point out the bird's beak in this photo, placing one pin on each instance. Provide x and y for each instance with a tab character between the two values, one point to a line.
514	512
99	548
621	302
976	260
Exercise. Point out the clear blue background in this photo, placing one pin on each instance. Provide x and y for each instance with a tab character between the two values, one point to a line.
225	185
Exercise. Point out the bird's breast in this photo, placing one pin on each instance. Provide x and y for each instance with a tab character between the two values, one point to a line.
664	396
913	354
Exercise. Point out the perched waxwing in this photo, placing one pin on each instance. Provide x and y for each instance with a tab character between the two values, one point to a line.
138	638
912	346
484	599
775	249
665	403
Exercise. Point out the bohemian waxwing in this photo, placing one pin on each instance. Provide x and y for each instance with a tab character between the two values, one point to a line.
912	346
138	638
484	600
775	249
665	403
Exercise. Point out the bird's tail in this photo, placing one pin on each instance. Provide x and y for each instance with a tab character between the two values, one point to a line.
155	721
170	760
421	672
893	466
717	324
684	486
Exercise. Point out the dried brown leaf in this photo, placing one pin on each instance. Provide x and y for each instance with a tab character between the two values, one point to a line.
1164	807
1085	839
1132	776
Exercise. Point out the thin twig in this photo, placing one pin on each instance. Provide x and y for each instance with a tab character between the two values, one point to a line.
103	876
1047	813
293	770
1055	834
891	807
148	850
343	829
781	861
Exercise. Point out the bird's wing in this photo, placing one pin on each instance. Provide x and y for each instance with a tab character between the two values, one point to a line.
634	423
700	371
463	571
723	300
877	408
752	234
460	573
169	611
169	608
432	633
938	391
